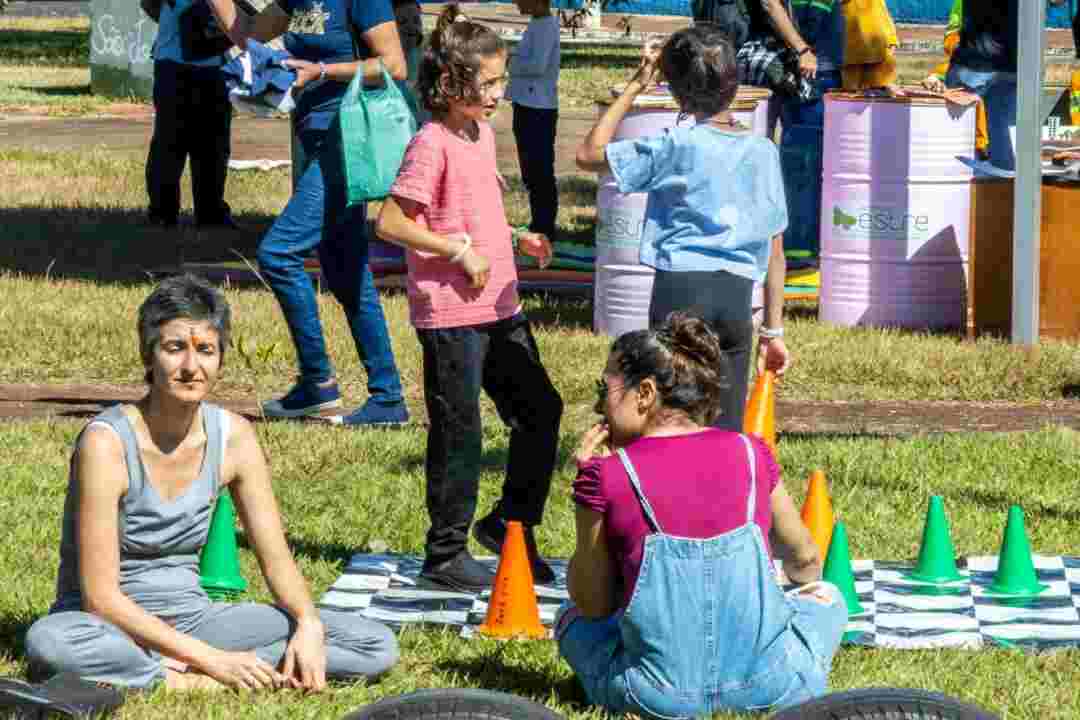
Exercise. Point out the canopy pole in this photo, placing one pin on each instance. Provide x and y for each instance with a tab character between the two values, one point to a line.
1027	205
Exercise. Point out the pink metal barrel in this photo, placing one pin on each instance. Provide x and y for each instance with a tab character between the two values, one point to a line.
622	286
895	212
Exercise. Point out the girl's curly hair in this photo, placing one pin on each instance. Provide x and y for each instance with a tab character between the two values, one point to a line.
455	51
699	65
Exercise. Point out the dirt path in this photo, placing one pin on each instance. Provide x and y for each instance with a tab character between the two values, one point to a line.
30	401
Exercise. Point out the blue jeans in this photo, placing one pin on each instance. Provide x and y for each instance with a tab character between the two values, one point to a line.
998	91
317	217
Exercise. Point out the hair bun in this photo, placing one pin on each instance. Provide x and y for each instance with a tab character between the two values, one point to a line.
693	338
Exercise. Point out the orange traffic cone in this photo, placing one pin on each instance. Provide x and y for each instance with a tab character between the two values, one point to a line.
760	417
817	513
512	609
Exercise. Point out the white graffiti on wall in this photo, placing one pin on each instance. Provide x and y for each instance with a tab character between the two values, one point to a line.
110	39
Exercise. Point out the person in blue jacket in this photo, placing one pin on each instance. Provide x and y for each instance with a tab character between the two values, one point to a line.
331	41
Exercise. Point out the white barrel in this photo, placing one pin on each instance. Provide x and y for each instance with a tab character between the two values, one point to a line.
623	294
895	212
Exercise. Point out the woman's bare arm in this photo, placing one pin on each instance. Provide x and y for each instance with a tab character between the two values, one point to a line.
269	23
791	540
590	578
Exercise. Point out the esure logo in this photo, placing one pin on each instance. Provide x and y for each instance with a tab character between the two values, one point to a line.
881	222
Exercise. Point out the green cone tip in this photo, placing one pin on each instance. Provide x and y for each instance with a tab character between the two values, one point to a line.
937	558
838	569
219	564
1016	568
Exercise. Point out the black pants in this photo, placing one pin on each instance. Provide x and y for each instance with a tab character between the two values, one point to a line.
723	300
501	359
192	118
1076	32
534	133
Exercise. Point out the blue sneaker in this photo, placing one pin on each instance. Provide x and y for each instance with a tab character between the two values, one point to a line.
306	398
374	414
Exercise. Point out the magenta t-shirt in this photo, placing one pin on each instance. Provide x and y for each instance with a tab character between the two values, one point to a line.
697	485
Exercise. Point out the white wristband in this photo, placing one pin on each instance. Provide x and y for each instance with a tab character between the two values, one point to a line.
771	333
464	249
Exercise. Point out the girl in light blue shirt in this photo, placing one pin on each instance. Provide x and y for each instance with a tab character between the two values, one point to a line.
716	210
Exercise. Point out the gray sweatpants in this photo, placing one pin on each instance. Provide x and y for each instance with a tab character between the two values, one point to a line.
100	652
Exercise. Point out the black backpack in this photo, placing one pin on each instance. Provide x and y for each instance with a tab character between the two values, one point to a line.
731	16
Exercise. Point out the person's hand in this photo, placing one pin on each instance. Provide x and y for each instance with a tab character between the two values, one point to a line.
305	71
477	267
305	657
536	245
934	83
648	72
808	65
243	671
594	444
773	355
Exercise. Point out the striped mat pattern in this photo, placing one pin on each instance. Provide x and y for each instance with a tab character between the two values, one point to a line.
899	613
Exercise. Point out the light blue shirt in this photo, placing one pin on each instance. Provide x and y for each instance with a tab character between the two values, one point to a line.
716	198
167	45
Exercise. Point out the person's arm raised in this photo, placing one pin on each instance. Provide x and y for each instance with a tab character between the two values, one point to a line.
101	476
592	153
248	479
590	578
269	23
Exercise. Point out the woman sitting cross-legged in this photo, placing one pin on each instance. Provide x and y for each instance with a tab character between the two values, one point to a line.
143	483
676	610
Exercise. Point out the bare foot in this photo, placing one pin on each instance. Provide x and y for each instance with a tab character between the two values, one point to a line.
191	680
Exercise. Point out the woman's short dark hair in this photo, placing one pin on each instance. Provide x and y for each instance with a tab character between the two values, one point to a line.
456	47
182	297
684	358
698	63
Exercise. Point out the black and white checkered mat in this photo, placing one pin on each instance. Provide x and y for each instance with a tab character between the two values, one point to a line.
899	613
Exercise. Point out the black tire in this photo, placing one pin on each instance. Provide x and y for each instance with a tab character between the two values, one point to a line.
885	704
455	705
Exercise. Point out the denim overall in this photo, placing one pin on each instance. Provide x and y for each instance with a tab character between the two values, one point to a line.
707	629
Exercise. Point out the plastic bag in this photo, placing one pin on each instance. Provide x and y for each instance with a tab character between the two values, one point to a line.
376	127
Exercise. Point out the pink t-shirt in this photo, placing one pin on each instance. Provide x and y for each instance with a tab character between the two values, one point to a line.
457	182
697	485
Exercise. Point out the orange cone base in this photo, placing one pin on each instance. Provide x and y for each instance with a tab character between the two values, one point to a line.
512	608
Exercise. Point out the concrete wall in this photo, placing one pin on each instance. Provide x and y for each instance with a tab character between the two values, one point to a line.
121	46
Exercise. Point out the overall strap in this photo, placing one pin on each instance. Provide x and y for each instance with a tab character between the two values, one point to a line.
752	460
650	516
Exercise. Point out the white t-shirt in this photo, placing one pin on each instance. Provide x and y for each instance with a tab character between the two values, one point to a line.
534	70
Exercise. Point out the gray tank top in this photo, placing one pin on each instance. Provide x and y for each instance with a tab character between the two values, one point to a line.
159	541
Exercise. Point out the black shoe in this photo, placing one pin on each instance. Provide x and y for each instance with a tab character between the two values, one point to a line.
65	694
161	222
490	531
462	573
225	222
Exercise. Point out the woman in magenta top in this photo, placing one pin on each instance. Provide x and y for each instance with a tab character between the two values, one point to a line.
675	607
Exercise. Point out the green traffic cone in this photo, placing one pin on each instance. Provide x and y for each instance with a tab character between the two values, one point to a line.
219	563
838	569
1016	570
937	558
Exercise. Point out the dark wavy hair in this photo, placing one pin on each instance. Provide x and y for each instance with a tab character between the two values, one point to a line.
684	358
457	45
699	65
185	297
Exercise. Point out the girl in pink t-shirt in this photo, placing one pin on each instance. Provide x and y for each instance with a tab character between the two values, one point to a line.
446	209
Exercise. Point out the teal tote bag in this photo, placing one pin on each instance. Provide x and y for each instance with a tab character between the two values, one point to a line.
376	127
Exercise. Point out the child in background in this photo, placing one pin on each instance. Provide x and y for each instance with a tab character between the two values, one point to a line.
534	91
446	209
716	209
935	81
